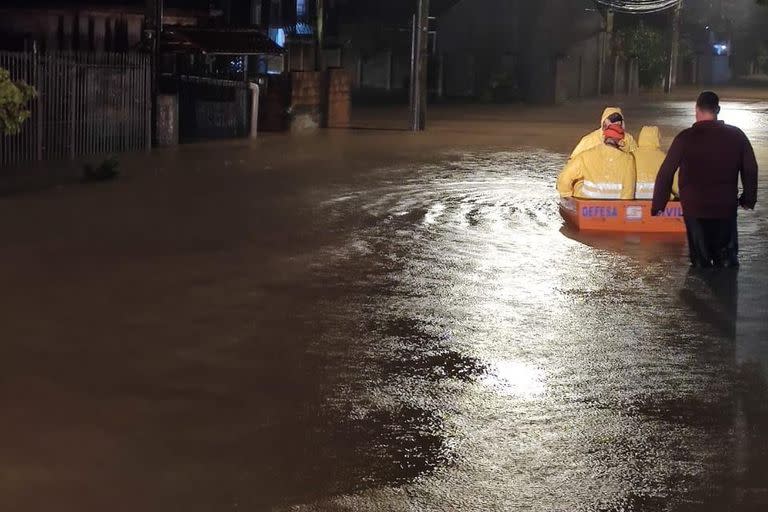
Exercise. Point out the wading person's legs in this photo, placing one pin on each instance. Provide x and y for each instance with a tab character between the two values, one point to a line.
726	242
713	242
698	242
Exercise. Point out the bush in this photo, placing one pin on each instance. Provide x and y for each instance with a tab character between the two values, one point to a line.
648	46
14	100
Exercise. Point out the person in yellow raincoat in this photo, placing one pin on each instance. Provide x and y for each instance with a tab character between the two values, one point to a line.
602	172
611	115
648	160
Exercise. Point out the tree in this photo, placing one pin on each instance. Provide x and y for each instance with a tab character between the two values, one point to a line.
14	101
648	46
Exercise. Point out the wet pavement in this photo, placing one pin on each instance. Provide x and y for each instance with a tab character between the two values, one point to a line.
375	321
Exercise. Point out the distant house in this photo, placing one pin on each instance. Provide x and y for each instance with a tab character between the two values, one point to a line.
117	25
543	50
539	51
98	28
711	32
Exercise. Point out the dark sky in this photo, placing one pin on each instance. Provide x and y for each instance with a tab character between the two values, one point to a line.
376	9
196	4
387	9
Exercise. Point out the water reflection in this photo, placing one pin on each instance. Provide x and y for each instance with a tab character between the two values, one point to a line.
554	370
713	296
641	247
751	118
515	378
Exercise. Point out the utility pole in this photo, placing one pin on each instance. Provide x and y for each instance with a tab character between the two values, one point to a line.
674	48
419	67
605	39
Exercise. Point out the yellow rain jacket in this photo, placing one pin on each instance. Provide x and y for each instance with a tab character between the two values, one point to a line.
648	160
595	138
603	172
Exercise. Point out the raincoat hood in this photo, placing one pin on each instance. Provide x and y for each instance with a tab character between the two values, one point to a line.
608	112
648	159
597	138
650	137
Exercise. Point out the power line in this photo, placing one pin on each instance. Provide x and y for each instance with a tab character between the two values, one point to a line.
639	6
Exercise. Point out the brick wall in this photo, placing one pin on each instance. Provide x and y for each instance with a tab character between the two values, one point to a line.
306	100
339	99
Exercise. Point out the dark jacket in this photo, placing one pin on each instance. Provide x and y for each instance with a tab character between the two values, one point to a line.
710	155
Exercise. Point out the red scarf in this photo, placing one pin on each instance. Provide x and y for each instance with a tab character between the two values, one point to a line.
614	131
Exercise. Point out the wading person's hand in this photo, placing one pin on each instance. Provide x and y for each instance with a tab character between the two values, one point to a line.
744	204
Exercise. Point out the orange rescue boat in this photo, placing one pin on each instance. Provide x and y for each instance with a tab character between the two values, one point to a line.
621	216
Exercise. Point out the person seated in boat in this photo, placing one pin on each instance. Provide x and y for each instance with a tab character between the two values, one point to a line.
602	172
648	160
611	115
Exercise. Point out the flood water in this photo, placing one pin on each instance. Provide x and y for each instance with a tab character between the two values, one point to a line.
421	336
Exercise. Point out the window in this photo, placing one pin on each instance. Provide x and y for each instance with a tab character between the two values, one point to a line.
278	36
301	8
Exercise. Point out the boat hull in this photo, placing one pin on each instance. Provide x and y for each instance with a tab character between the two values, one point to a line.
621	216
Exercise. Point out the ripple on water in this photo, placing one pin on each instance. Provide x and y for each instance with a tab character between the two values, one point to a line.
516	366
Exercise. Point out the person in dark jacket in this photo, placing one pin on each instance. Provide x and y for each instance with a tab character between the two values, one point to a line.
711	156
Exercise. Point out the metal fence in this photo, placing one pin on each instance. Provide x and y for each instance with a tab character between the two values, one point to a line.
88	103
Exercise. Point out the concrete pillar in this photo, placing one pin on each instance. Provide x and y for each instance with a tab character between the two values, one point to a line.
633	83
388	71
560	80
441	76
167	120
254	109
359	74
600	63
287	60
674	49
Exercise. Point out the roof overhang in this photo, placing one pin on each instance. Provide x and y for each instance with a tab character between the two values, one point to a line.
211	41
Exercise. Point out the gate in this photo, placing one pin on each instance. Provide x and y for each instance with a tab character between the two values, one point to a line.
87	104
212	109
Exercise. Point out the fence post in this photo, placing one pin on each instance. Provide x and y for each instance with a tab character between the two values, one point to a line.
72	109
39	106
148	104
